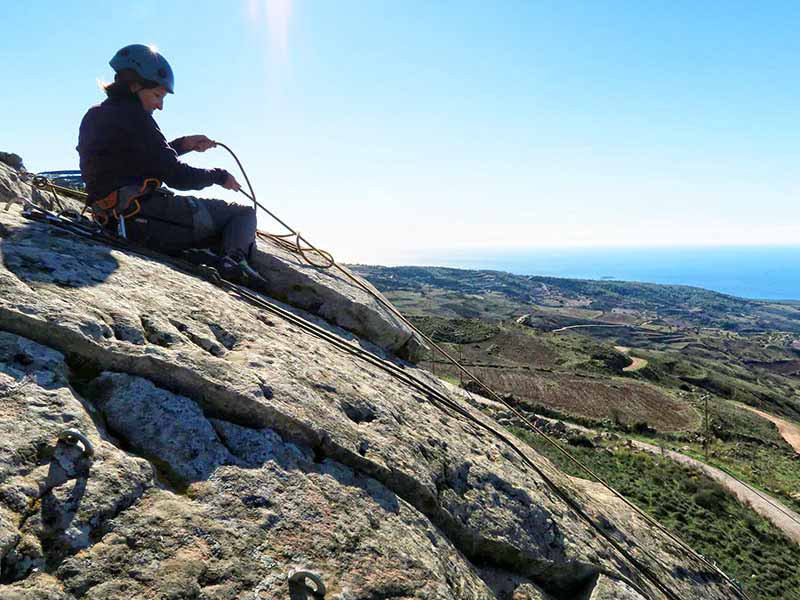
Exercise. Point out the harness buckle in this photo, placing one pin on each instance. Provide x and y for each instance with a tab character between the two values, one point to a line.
122	204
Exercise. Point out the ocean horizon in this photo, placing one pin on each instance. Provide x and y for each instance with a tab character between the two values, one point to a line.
755	272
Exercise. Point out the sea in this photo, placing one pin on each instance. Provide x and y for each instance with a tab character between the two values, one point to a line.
757	272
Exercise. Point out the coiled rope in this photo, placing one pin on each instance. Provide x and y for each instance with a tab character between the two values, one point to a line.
282	240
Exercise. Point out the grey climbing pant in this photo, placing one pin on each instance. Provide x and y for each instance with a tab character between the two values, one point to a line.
170	223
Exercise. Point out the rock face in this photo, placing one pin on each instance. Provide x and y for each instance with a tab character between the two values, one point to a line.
233	447
12	187
12	160
327	293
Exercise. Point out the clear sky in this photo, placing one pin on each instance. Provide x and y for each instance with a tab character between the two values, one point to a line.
378	127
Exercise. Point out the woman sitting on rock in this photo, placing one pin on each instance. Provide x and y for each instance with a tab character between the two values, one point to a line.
124	158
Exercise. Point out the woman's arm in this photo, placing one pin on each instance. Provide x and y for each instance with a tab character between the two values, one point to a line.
163	163
192	143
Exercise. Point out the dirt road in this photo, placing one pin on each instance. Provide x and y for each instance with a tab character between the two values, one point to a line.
636	363
568	327
781	516
788	430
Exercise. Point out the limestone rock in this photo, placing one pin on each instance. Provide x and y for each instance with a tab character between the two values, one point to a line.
53	500
12	160
13	188
234	445
329	294
607	589
168	429
324	292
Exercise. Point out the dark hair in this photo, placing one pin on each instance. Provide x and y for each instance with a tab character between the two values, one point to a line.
122	84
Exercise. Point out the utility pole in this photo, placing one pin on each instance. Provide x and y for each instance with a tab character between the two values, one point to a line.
461	361
705	436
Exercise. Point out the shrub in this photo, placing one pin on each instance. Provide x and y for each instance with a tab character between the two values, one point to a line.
641	427
711	497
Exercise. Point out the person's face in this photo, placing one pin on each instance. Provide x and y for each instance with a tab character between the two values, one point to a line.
152	98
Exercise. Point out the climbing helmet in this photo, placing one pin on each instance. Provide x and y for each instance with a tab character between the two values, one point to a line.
146	62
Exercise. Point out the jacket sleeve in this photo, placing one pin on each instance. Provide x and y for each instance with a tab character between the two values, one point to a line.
162	160
178	146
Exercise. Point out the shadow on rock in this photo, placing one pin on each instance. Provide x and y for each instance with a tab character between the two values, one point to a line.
60	503
60	496
37	253
299	589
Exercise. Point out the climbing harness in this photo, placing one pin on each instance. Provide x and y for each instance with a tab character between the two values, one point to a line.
119	205
124	203
73	436
436	396
299	577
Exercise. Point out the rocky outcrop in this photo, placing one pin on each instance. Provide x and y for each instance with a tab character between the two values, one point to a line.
332	296
14	189
233	447
12	160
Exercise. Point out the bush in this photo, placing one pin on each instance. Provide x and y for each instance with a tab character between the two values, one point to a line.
711	497
580	440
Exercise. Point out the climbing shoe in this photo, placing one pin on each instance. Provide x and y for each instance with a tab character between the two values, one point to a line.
201	257
236	270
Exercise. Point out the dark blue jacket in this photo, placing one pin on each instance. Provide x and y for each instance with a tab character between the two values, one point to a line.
120	144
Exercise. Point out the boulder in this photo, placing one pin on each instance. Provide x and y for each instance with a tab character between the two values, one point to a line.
332	295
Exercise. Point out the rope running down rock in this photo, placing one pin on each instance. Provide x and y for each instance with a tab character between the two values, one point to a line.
491	393
329	262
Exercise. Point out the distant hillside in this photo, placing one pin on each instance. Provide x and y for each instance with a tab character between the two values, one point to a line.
572	301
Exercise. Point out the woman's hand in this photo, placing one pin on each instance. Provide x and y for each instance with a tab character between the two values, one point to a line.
198	143
231	184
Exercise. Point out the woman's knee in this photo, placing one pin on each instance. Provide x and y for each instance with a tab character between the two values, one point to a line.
248	216
241	211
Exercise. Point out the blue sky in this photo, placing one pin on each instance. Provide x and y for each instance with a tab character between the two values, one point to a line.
380	129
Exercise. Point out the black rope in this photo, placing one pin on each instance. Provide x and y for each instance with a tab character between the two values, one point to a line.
247	294
652	521
442	401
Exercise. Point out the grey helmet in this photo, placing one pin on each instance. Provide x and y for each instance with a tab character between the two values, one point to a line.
148	63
